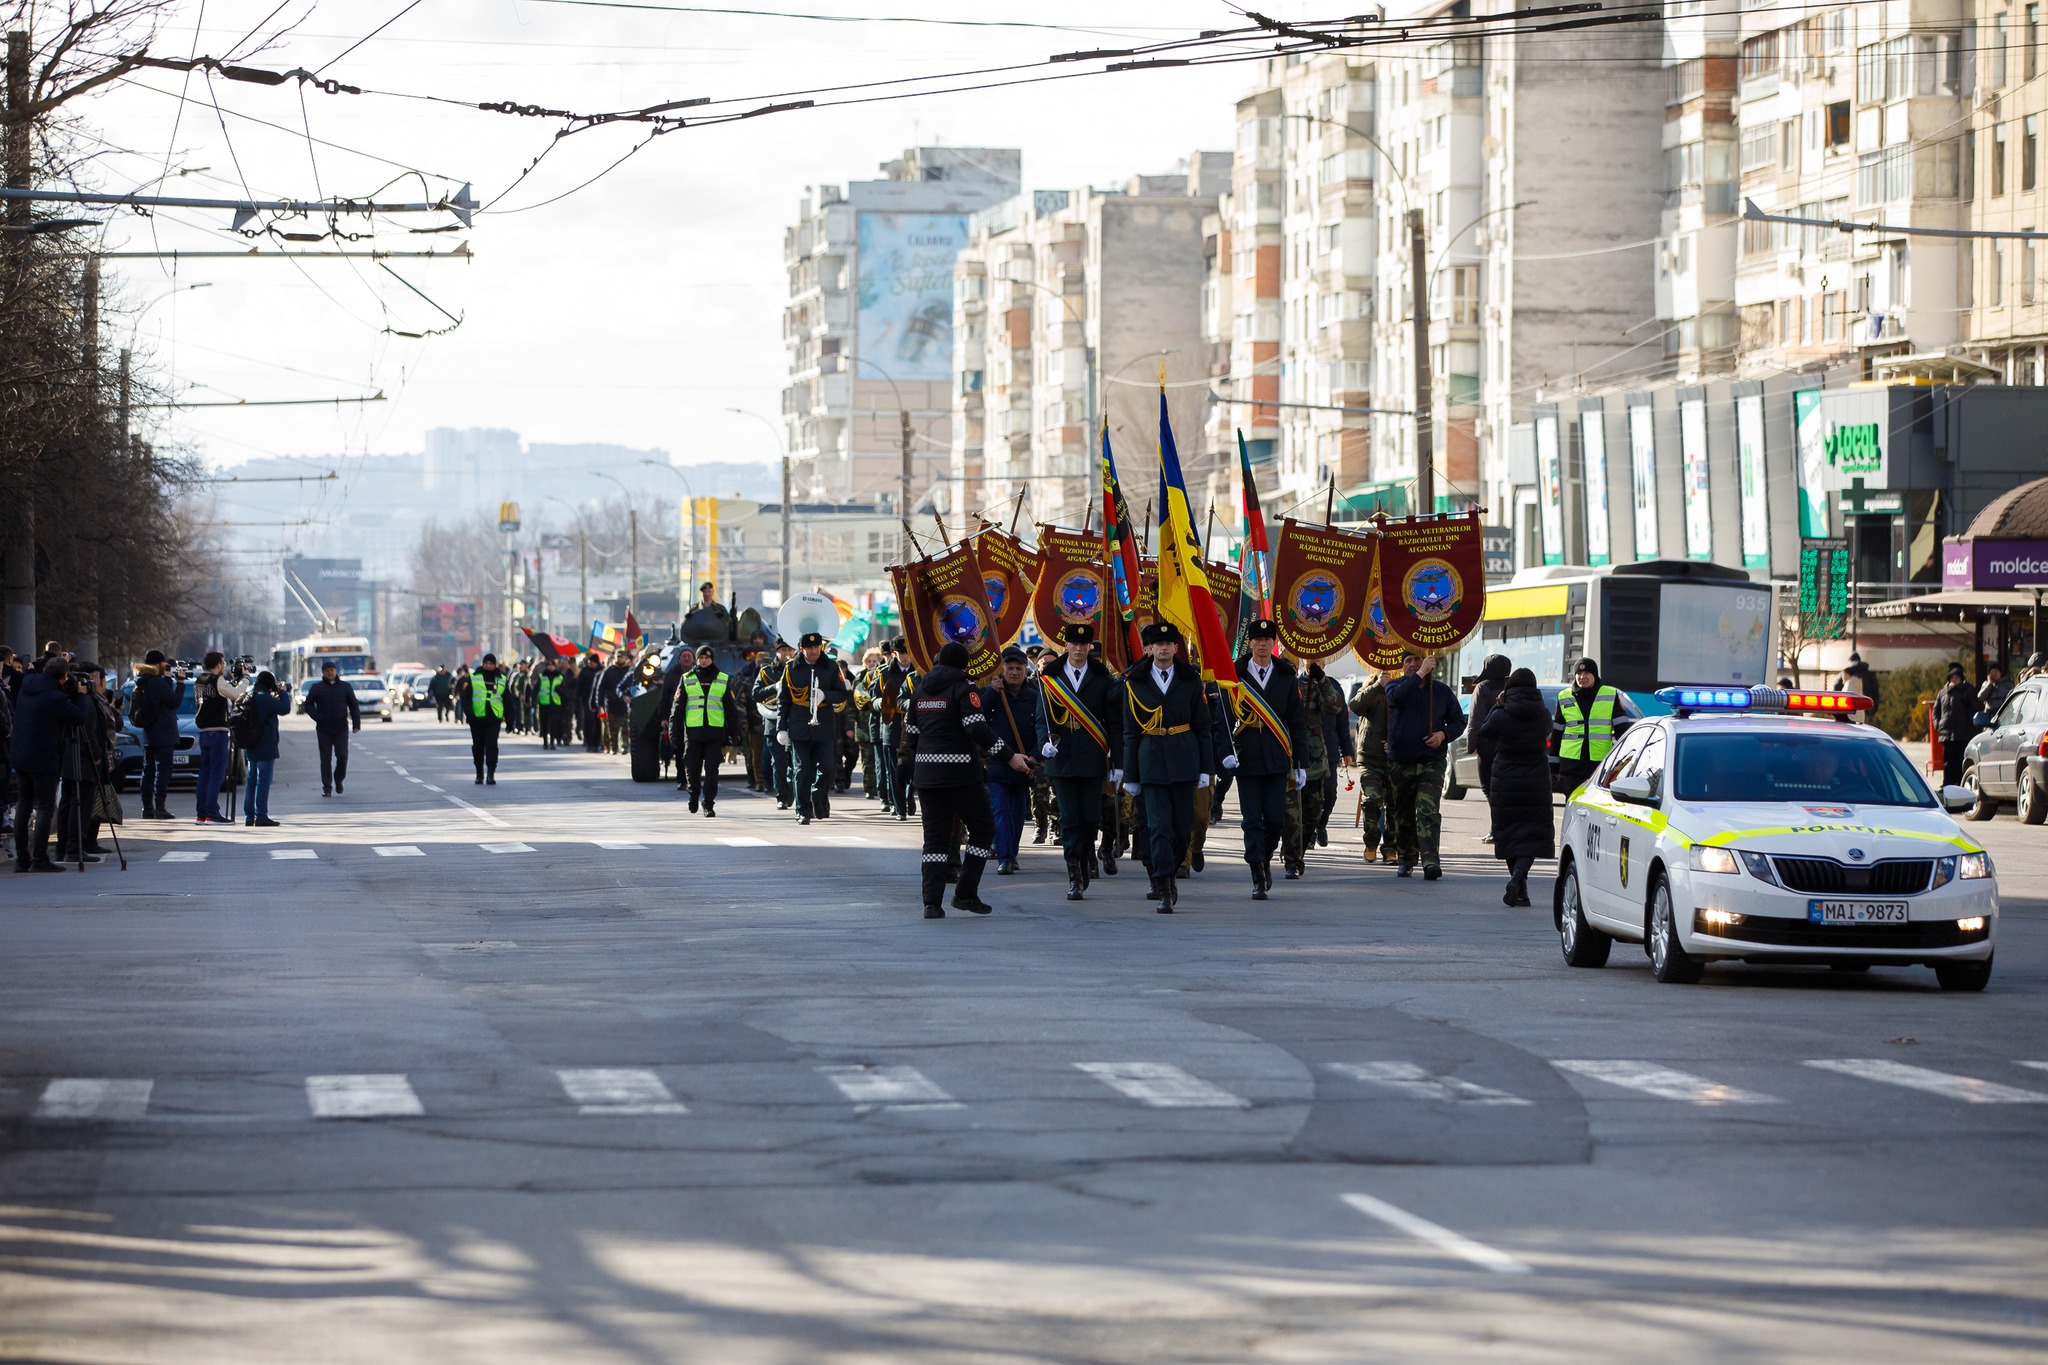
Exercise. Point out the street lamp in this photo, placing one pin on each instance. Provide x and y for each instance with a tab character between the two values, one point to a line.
582	562
782	448
633	552
683	587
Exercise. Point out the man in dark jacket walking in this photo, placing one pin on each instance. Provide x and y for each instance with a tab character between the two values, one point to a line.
442	689
1955	711
1493	676
1423	717
331	704
51	705
153	709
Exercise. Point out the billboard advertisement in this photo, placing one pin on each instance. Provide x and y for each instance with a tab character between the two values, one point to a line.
1642	467
1692	450
1814	483
447	625
1550	468
905	324
1756	504
1593	440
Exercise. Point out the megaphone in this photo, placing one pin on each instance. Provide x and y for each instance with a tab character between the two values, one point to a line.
807	613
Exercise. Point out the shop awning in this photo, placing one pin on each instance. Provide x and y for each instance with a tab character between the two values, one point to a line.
1958	604
1366	499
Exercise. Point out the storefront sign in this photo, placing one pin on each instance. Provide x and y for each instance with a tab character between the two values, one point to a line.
1498	543
1983	564
1810	430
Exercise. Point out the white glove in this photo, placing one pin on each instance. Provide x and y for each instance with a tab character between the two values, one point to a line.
782	738
1301	777
1131	787
1202	782
1230	763
1116	777
1048	750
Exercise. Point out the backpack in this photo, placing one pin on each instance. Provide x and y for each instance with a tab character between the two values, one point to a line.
141	706
245	723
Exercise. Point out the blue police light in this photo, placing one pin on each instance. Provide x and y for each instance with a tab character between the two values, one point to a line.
1705	698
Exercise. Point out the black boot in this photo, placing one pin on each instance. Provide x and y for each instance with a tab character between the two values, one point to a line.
693	803
1075	880
1258	883
1168	894
710	810
934	912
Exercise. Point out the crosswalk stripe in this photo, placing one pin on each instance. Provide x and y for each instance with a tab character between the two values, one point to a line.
185	855
289	855
843	839
618	1090
506	848
1665	1083
894	1087
432	788
744	841
1967	1088
400	851
1412	1081
400	771
379	1096
79	1097
2038	1066
1162	1085
1459	1245
617	845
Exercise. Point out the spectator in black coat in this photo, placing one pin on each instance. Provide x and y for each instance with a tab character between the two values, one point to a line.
153	709
331	704
1955	721
50	706
10	679
1493	676
1518	730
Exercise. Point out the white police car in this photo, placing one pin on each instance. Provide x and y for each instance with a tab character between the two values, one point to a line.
1759	824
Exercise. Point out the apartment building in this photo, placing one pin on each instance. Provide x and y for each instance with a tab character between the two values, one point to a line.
2004	309
869	320
1697	320
1066	304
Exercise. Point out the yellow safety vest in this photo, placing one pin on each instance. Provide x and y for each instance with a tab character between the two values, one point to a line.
696	697
550	690
1580	729
483	692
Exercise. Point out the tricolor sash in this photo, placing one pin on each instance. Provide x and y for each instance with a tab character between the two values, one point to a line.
1077	714
1262	710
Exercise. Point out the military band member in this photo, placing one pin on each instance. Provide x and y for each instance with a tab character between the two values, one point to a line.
775	744
1081	739
898	679
1169	753
1271	737
947	744
811	689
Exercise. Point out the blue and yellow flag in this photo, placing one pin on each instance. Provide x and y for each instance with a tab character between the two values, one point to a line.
1184	597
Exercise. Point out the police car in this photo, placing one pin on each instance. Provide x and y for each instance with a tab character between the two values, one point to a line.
1760	824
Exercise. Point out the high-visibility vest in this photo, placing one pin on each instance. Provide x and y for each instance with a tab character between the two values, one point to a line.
696	697
1588	735
550	690
489	692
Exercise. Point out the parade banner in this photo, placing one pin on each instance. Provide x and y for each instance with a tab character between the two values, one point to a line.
944	603
1226	587
1321	577
1432	575
1375	646
1008	570
1073	586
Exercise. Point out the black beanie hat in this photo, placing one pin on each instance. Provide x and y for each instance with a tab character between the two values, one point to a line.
953	655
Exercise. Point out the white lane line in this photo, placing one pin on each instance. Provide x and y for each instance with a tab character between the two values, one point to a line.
400	771
506	848
1459	1245
1162	1086
2038	1066
362	1097
78	1097
432	788
893	1087
289	855
618	1090
400	851
417	781
187	855
1934	1082
482	815
1665	1083
744	841
1418	1084
619	845
843	839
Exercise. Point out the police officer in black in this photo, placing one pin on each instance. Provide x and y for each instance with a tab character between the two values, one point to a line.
1169	752
947	743
1081	739
1271	741
808	697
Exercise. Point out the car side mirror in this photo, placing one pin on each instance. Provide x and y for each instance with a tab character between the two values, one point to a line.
1636	791
1982	720
1956	800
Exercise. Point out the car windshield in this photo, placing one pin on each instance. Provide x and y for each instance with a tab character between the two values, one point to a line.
1800	766
365	684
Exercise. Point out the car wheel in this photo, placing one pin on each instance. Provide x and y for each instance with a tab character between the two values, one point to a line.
1963	976
2033	802
1669	962
1454	792
1584	946
1985	807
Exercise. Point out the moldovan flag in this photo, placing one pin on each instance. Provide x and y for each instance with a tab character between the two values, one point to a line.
1183	585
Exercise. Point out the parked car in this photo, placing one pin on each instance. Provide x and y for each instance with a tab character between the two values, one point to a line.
2007	760
1465	763
128	744
373	698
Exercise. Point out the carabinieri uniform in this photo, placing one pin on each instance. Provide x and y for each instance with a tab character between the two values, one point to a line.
947	742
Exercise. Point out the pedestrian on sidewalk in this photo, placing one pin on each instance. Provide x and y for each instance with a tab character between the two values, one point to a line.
10	682
1517	732
88	767
442	690
216	692
266	703
331	705
50	706
153	709
1955	722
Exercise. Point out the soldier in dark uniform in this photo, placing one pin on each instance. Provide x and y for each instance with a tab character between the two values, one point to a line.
1081	739
1271	741
947	744
893	689
1169	753
1206	797
775	763
810	690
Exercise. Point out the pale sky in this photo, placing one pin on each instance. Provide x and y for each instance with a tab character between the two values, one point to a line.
634	311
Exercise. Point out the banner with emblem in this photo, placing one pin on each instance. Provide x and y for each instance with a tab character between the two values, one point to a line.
1073	585
1321	579
1432	579
944	602
1375	647
1008	570
1226	586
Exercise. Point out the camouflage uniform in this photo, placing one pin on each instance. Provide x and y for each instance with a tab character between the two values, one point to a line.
1370	706
1415	792
1041	804
1415	786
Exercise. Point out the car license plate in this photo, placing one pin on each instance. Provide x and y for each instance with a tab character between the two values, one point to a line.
186	760
1857	912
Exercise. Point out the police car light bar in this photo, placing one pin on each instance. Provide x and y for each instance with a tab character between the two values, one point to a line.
1761	699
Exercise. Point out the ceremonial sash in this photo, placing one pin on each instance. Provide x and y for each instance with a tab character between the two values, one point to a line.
1262	710
1077	713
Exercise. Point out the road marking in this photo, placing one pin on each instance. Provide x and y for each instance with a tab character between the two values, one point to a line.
1665	1083
619	1090
400	851
892	1087
75	1097
506	848
1459	1245
1162	1086
476	945
744	841
400	771
417	781
2038	1066
1417	1084
362	1097
617	844
185	856
432	788
482	815
287	855
1934	1082
843	839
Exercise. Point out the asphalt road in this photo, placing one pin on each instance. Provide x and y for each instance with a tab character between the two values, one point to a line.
553	1071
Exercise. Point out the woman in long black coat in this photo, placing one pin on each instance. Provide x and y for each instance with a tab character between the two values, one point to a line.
1517	727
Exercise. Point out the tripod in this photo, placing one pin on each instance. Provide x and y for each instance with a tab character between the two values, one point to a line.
79	758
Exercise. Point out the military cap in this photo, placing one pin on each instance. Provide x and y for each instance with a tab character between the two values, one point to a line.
1014	655
811	640
1077	633
1033	651
1161	633
1262	629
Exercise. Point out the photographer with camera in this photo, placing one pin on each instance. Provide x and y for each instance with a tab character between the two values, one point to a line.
216	691
10	683
331	704
87	771
153	709
256	732
50	706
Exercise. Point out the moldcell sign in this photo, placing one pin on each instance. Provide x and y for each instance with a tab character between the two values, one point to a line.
1994	563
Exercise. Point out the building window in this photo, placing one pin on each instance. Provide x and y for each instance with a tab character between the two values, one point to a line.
1785	312
1759	148
1687	80
1997	160
2032	36
1994	276
1882	177
1838	132
1465	295
1966	165
2030	149
1834	31
1806	321
2026	269
1997	52
1831	314
1788	145
1761	54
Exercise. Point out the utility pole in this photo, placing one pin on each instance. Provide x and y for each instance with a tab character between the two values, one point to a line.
785	522
582	577
633	563
19	572
1425	420
127	447
904	413
89	645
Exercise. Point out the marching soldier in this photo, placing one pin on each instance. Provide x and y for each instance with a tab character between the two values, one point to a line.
1169	752
1206	798
480	700
947	743
1423	717
1081	739
865	722
1271	737
1040	659
1304	804
811	689
699	727
1370	706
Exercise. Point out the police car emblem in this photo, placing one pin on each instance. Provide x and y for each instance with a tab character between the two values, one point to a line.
1624	860
1857	854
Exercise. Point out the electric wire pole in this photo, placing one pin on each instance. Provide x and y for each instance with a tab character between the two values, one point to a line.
1425	420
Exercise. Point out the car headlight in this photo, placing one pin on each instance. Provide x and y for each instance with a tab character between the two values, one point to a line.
1973	867
1944	871
1759	866
1705	858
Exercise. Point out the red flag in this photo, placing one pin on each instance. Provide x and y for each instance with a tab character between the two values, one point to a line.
633	636
1432	580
